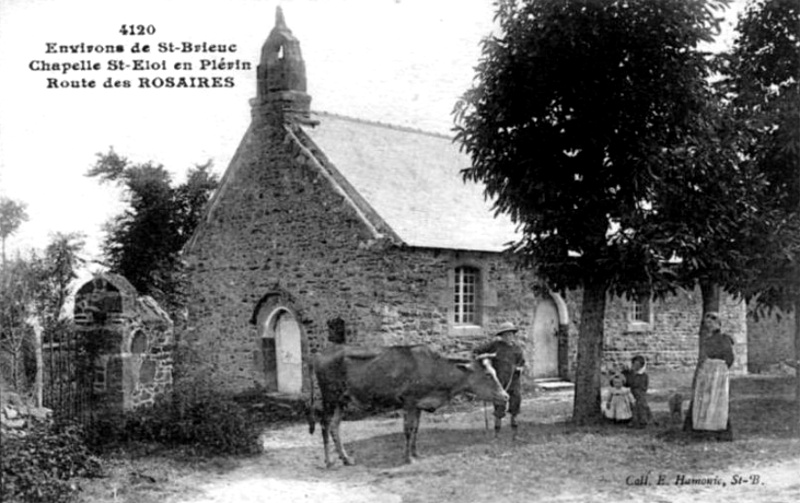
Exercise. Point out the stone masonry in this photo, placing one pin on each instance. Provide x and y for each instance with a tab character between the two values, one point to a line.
671	340
133	343
284	231
772	339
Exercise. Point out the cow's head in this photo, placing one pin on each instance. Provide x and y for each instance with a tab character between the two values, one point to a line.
482	379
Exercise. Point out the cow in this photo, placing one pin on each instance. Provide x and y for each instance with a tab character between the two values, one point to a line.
411	378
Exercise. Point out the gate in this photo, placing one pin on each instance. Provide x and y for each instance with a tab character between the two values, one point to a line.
68	375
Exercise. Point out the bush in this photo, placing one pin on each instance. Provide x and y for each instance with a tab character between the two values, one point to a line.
196	415
39	467
216	424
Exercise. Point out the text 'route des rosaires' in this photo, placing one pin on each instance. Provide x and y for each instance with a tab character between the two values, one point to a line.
158	65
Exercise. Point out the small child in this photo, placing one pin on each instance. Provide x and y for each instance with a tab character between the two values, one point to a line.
618	408
638	382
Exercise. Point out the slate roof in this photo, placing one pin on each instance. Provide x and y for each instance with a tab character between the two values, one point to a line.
412	181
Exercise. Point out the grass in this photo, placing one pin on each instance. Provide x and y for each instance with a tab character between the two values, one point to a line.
550	459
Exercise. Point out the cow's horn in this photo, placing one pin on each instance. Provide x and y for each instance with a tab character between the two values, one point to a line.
485	356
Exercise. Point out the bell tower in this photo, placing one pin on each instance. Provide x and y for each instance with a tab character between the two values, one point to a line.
281	76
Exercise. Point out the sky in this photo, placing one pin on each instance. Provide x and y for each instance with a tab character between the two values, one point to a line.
403	62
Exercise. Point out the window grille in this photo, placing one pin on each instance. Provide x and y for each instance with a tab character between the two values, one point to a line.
640	309
100	377
465	300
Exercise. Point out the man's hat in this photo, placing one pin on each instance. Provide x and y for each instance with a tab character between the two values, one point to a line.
506	327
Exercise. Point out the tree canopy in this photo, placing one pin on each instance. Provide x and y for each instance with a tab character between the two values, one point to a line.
144	242
763	83
35	287
57	269
573	124
575	107
12	214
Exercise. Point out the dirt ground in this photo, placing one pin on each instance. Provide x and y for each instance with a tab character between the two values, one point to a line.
463	462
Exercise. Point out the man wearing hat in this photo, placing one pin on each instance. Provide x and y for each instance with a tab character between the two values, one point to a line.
509	363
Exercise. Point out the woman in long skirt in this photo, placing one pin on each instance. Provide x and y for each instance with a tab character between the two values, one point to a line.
710	401
639	381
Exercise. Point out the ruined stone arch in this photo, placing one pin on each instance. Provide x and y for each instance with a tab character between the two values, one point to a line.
128	341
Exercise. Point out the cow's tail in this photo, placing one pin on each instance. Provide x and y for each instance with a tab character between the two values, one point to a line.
311	415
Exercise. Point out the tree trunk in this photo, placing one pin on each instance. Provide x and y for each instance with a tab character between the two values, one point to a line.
39	383
14	372
586	408
797	364
711	304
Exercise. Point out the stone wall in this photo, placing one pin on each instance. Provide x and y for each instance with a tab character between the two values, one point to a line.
279	223
670	341
384	296
150	354
771	340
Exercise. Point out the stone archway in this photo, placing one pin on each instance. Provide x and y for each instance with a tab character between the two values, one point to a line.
282	326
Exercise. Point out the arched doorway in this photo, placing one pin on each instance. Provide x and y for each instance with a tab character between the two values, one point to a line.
282	326
549	314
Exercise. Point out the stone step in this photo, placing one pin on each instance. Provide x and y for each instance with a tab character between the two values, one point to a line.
284	400
554	384
272	400
283	397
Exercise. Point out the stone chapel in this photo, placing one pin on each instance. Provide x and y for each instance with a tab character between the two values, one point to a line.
329	229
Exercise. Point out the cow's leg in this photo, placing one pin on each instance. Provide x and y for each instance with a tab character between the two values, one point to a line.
325	425
407	420
417	414
410	425
336	420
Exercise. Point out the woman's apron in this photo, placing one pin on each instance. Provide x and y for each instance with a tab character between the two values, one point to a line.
710	404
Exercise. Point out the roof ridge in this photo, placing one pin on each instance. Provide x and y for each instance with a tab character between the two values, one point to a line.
386	125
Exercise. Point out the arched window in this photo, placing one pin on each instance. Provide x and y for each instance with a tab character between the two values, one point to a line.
466	296
139	343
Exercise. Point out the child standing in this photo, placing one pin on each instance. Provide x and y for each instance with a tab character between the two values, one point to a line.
638	381
620	402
